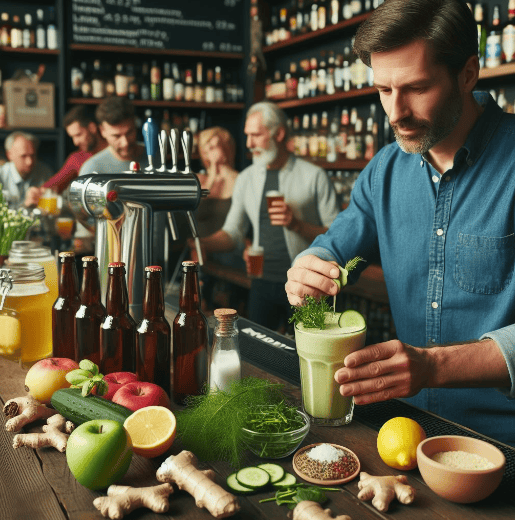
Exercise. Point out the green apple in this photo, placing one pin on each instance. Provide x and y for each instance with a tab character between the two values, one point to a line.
99	453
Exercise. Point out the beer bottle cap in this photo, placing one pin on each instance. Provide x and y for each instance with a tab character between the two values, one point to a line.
116	264
67	254
89	259
153	268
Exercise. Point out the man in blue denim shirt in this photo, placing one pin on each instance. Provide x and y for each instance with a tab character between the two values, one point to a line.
437	209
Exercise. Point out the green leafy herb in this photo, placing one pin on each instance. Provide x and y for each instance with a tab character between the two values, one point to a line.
312	313
211	425
292	495
352	264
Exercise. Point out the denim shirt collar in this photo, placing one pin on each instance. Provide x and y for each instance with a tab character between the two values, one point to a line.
482	131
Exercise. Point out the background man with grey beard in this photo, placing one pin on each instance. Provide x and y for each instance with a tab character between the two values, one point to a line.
309	207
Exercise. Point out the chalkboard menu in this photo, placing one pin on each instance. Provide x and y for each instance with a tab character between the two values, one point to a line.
210	25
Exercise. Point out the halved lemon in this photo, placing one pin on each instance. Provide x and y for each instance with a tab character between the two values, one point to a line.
351	319
152	430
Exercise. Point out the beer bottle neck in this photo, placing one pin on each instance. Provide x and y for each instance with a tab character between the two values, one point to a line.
153	300
68	279
117	299
189	297
90	292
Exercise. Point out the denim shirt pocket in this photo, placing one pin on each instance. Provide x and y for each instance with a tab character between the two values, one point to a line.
484	265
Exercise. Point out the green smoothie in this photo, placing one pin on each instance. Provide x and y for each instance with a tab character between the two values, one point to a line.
321	354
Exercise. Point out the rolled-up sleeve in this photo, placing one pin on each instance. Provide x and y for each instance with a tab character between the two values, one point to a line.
505	340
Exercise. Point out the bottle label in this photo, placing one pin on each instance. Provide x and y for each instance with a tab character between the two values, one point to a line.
121	85
98	88
168	85
51	37
508	42
493	51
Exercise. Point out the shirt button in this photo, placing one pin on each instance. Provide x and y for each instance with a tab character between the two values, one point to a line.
439	232
421	163
436	178
434	305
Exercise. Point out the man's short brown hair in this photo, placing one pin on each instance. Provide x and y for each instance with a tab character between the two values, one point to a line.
78	114
447	25
114	110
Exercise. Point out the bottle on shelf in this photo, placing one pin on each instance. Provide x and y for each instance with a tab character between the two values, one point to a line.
322	14
480	18
508	35
493	41
91	313
133	85
351	152
155	81
76	79
347	10
65	308
109	84
168	82
29	36
200	88
51	30
210	86
343	134
41	35
189	339
334	12
330	88
118	330
16	33
5	31
292	19
284	25
313	137
371	135
153	334
145	82
219	90
322	76
225	361
332	141
189	87
121	81
86	86
166	123
323	136
97	81
313	21
303	139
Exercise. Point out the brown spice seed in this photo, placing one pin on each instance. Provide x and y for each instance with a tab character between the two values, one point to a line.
342	468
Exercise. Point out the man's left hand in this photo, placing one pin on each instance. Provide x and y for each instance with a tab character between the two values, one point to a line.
32	196
384	371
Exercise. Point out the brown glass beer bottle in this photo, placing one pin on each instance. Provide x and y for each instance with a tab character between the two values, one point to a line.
90	315
118	330
153	334
65	308
190	342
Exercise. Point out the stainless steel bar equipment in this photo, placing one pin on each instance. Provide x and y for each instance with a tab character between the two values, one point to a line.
123	205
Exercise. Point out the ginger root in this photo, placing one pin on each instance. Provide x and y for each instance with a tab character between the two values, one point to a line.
182	469
121	500
309	510
56	433
384	490
24	410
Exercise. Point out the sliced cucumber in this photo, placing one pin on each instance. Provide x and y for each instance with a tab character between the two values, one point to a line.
233	484
276	472
286	481
252	477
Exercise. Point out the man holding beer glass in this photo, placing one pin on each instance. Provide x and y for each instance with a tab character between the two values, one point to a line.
302	204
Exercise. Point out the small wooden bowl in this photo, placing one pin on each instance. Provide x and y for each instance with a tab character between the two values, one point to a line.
322	481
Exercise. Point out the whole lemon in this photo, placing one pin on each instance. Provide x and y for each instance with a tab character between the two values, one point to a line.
397	442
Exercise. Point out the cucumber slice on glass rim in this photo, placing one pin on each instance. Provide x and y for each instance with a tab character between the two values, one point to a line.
351	319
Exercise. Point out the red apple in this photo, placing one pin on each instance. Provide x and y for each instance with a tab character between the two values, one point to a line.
116	380
47	376
141	394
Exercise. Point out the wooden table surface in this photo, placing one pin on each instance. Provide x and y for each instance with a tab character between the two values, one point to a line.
37	484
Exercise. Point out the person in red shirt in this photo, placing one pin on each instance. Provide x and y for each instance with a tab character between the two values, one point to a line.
83	130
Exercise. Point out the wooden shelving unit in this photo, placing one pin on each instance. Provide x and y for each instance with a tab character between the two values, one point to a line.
164	104
337	96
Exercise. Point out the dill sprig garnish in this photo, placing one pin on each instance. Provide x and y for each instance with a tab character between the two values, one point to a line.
312	313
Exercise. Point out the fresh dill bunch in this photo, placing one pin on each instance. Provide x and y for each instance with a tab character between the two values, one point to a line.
211	424
352	264
312	313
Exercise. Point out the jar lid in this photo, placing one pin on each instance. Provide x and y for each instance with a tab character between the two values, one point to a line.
153	269
27	253
225	313
23	273
23	244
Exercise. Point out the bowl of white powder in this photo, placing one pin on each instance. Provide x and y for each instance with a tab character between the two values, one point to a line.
460	469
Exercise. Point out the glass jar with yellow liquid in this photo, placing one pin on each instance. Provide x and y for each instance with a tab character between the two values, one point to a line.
31	299
26	251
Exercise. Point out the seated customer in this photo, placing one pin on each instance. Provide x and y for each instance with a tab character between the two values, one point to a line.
23	170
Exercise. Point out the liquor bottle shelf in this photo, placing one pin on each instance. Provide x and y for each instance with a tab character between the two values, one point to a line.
164	104
31	50
343	164
503	70
295	40
43	134
155	52
292	103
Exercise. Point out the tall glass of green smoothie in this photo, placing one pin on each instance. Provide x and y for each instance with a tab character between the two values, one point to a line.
321	353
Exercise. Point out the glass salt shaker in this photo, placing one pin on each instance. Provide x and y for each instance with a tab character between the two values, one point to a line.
225	365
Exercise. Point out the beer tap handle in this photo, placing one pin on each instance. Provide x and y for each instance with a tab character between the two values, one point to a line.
172	224
187	145
194	232
174	145
162	138
150	136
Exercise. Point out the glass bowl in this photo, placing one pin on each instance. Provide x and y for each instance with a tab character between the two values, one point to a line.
276	445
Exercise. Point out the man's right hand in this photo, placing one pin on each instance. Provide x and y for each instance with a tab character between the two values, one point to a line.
32	196
311	276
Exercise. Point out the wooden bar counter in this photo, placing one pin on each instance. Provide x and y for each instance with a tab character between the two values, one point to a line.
37	484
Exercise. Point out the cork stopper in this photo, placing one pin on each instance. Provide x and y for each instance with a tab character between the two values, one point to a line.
67	254
116	264
224	314
153	269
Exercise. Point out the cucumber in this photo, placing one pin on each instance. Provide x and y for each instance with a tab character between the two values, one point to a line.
252	477
70	403
235	486
287	481
276	472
